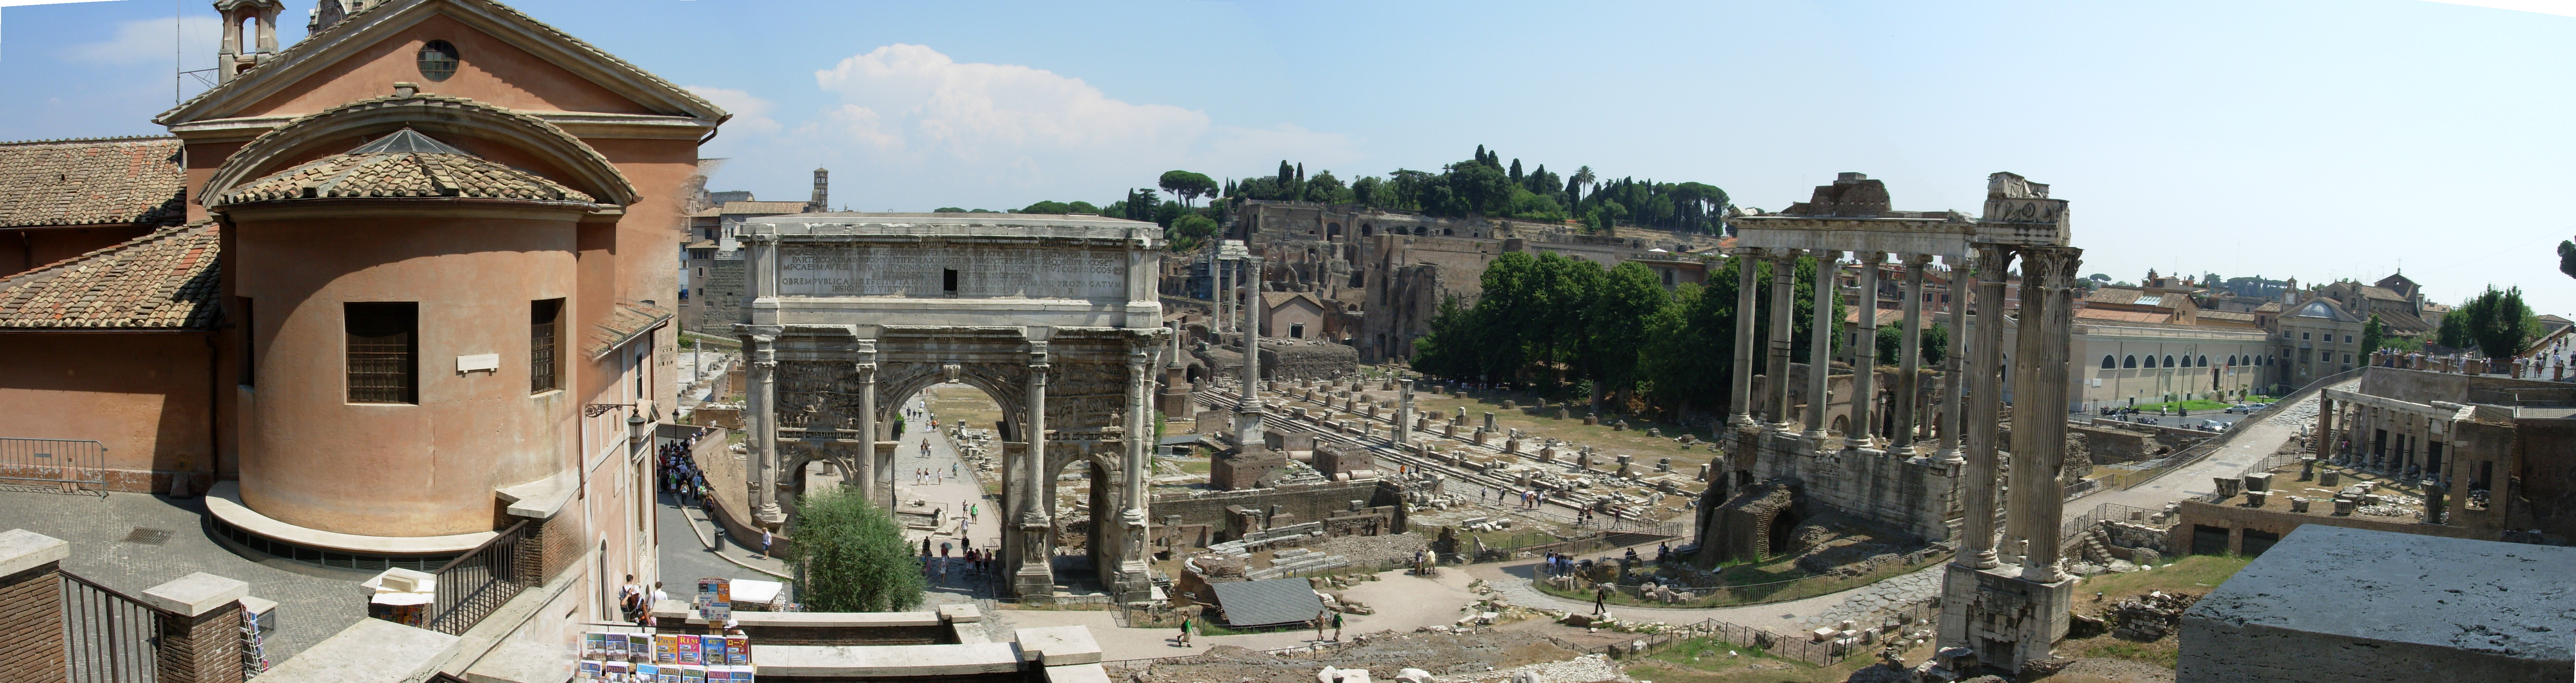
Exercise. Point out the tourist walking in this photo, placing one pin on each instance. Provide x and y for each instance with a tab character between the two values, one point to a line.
1319	625
1337	627
1185	631
1601	599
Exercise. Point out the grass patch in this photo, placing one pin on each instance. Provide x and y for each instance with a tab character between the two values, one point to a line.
960	404
2178	406
2194	574
1196	466
694	339
2165	653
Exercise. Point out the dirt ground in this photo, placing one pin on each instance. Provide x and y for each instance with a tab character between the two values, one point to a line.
1442	654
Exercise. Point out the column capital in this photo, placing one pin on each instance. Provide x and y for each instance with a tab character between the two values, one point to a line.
1917	260
867	372
1869	256
1783	253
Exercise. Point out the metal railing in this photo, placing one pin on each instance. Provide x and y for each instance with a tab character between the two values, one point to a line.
71	465
478	582
109	637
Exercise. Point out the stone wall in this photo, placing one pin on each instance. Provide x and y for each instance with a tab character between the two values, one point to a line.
1295	504
2236	520
2109	444
1918	497
1307	360
720	306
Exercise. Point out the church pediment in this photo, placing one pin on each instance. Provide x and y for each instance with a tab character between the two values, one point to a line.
501	57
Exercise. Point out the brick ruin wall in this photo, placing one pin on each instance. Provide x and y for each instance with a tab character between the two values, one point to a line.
1295	504
721	306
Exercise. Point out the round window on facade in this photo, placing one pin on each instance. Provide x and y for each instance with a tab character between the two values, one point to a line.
437	60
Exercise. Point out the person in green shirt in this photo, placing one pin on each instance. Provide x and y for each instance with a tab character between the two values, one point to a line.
1185	631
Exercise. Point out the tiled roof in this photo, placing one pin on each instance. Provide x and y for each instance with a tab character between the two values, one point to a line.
2114	295
1267	601
404	164
624	323
2122	316
2227	315
162	281
2379	293
761	207
2269	307
84	182
293	127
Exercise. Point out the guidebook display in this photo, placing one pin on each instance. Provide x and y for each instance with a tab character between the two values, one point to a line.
618	657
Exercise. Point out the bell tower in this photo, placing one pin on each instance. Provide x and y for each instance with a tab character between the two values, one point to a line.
232	59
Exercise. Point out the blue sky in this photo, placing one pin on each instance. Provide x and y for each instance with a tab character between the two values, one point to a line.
2312	139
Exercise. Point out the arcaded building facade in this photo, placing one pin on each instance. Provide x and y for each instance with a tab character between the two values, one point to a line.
414	300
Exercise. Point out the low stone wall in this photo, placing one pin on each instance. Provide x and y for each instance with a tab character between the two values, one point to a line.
2238	519
1912	496
2111	444
1299	503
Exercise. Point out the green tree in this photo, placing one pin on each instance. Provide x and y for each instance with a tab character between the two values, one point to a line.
2454	330
1047	207
852	556
2374	334
1480	188
2498	323
1891	344
2567	257
1626	301
1936	343
1187	185
1190	231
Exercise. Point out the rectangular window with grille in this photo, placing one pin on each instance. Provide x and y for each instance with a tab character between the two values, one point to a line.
545	364
383	350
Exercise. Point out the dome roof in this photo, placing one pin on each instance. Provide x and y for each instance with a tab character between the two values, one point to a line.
405	164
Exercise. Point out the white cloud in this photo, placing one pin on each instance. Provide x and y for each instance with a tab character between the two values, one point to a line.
934	126
147	41
748	111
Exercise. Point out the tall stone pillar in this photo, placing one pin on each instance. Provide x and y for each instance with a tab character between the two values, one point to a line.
1983	408
1863	432
1224	295
1035	576
1742	397
1247	408
1175	401
2039	408
867	460
1134	581
1404	413
2323	442
1784	266
1954	382
763	400
1820	345
1909	368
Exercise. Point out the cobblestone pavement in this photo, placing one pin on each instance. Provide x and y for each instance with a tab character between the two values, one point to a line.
686	554
310	607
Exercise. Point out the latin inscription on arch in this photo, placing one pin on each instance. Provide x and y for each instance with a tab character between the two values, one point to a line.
825	270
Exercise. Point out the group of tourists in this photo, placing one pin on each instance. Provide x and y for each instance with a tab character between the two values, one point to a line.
977	562
680	473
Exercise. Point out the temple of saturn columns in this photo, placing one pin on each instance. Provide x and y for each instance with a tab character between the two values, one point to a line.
2005	595
1055	317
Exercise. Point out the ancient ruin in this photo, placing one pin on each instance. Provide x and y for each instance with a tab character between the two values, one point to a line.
848	307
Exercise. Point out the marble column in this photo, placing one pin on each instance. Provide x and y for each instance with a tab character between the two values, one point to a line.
1224	296
1820	345
1134	581
1864	391
763	398
1954	383
1909	363
1742	398
1035	576
2040	382
1247	408
1404	413
867	460
1983	408
1784	264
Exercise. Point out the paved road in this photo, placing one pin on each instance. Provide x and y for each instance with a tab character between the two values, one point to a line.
2246	446
311	604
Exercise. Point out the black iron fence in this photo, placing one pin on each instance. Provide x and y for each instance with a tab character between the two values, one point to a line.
67	465
109	637
478	582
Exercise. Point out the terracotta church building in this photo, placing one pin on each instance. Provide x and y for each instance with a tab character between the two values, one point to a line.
381	296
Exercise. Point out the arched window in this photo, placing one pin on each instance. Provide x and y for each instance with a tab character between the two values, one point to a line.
2110	363
2169	361
2204	362
2231	361
1368	230
2129	362
1417	231
2151	362
1332	230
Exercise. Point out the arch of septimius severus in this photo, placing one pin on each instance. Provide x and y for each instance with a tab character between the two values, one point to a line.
2006	595
1055	317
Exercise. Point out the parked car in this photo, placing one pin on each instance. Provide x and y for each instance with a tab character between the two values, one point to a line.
2259	406
2239	409
2211	426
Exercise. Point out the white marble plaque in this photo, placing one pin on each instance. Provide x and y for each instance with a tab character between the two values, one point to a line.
837	270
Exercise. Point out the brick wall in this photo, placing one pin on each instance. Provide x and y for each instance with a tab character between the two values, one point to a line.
31	626
721	306
202	649
2238	519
